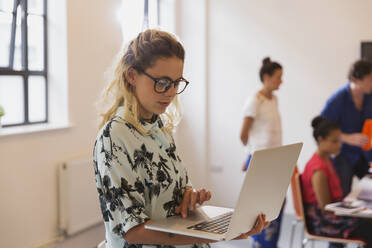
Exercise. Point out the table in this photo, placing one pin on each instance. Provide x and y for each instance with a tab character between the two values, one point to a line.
364	184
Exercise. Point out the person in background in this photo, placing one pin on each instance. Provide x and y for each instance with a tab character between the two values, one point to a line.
262	129
139	173
321	186
350	107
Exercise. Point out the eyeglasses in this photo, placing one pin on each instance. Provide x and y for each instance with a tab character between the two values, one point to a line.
162	85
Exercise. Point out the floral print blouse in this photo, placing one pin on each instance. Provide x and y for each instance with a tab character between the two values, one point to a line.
139	177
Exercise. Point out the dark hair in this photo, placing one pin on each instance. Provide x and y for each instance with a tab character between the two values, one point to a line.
360	69
268	67
322	127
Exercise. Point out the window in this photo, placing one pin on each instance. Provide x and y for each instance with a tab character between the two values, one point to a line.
366	50
23	62
136	16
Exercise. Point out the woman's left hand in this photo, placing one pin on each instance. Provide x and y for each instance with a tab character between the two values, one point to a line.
260	224
190	198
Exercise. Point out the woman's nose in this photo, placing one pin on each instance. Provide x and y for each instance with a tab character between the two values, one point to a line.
171	91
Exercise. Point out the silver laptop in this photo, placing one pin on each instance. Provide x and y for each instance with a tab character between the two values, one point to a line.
264	188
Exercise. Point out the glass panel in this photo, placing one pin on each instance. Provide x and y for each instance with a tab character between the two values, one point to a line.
35	42
18	41
5	31
6	5
36	98
35	7
131	18
153	13
12	99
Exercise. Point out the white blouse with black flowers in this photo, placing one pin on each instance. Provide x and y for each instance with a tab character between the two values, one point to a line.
138	177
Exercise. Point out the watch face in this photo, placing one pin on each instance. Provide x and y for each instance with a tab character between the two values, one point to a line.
366	50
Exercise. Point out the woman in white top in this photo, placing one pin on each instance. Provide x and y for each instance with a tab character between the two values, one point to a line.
139	173
262	129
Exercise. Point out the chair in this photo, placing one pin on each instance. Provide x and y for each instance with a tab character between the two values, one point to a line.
102	244
312	237
296	206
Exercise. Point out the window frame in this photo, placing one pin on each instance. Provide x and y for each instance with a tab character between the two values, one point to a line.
146	18
25	73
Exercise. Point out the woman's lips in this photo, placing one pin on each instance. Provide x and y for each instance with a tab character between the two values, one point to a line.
164	104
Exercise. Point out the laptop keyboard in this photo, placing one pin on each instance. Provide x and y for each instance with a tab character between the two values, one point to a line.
217	225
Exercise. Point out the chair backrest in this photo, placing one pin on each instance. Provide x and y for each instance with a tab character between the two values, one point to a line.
296	202
298	199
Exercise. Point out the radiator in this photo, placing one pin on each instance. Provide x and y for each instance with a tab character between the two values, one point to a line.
78	197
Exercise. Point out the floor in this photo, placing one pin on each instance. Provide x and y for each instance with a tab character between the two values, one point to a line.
90	238
87	239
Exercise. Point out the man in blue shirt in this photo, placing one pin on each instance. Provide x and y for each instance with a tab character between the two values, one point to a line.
350	106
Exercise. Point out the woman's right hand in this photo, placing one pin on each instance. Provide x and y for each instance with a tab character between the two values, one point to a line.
355	139
190	198
261	223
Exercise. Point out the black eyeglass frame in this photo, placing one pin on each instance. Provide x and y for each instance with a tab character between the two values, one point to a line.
156	80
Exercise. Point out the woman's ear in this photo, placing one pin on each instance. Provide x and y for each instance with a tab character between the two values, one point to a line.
319	139
132	75
356	81
265	77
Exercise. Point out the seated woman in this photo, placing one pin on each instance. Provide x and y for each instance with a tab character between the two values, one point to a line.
321	186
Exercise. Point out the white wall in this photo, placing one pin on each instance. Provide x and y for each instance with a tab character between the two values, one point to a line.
191	136
28	182
314	41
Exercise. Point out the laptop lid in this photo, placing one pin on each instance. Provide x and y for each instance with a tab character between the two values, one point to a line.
264	188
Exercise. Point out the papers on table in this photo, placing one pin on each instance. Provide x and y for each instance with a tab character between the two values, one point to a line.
365	194
346	207
366	189
358	203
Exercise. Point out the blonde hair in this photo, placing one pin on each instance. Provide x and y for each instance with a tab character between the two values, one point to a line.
141	53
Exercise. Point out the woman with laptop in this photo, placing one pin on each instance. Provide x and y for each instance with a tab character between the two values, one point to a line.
139	174
262	129
321	186
350	107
